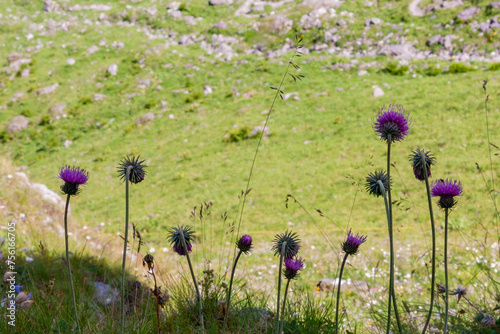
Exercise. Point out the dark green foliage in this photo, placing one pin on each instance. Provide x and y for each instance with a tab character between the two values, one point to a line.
237	134
394	69
494	67
432	71
460	68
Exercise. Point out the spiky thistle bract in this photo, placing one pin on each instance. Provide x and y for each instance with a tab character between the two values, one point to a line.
175	239
137	172
372	186
417	158
292	244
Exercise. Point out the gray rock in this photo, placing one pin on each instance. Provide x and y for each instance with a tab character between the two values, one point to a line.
258	129
106	295
70	61
374	21
220	25
47	90
13	57
98	97
398	50
287	96
17	96
25	73
67	143
94	7
118	45
47	194
447	41
331	36
220	2
484	27
185	40
433	40
362	72
494	5
113	69
281	24
207	90
18	123
144	83
341	23
450	4
146	118
329	284
50	6
91	50
57	110
467	14
377	91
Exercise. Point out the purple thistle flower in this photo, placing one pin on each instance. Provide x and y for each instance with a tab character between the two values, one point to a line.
245	244
292	268
73	177
446	190
180	250
392	122
352	243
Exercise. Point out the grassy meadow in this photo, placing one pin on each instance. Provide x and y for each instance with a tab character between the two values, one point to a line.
320	147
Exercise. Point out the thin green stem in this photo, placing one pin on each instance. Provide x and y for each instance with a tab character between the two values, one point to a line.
283	307
338	294
69	266
124	259
282	253
194	280
157	302
388	214
433	229
228	297
391	238
446	270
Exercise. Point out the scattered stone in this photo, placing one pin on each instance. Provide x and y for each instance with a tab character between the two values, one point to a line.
374	21
287	96
144	84
50	6
220	2
92	49
13	57
433	40
105	294
398	50
15	66
98	97
25	73
67	143
185	40
467	14
18	123
258	129
362	72
47	194
118	45
377	91
70	61
207	90
450	4
146	118
494	5
47	90
341	23
281	24
17	96
113	69
220	25
329	284
95	7
57	110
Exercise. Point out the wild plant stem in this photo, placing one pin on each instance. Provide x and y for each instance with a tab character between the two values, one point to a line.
433	229
228	297
194	280
69	266
446	270
388	214
338	294
391	238
282	253
124	260
157	303
283	307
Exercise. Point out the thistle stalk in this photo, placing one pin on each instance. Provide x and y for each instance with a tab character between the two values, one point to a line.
446	211
433	229
194	280
282	254
391	241
338	295
283	307
67	261
228	297
124	259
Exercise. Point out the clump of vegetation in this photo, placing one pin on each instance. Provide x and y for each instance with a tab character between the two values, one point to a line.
460	68
395	69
